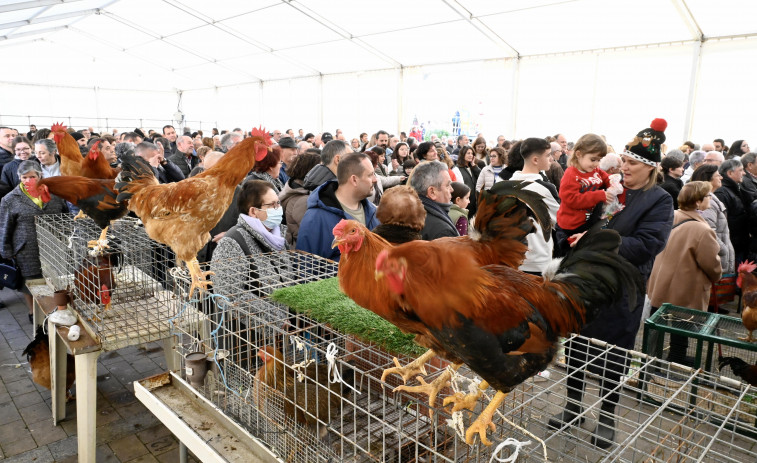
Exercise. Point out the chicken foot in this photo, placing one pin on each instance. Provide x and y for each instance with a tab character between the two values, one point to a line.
484	421
466	401
101	243
198	277
430	389
748	337
80	215
415	367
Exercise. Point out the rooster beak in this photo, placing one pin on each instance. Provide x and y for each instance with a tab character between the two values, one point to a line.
378	274
336	242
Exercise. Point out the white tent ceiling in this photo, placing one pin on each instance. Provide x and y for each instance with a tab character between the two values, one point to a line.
193	44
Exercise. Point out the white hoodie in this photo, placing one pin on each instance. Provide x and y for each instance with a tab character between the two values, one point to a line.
539	253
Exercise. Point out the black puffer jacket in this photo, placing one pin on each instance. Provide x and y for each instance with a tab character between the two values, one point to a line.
730	195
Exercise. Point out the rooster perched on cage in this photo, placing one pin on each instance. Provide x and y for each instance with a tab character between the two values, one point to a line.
70	154
95	281
504	324
96	198
747	281
310	401
38	355
501	225
181	214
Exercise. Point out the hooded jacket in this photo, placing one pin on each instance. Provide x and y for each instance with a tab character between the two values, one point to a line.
324	212
317	176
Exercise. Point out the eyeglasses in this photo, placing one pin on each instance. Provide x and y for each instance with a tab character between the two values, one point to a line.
274	205
23	149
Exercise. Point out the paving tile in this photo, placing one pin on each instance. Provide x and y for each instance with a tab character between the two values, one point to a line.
25	400
128	448
154	433
107	415
44	432
149	458
103	454
18	387
35	413
19	446
70	459
69	425
8	414
162	445
38	455
68	447
144	365
13	431
132	409
12	374
5	397
121	398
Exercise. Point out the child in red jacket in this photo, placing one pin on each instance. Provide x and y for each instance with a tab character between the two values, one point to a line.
582	190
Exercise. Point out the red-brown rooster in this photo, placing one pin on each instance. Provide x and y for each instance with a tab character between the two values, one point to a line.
95	279
70	155
95	198
504	324
747	281
501	227
38	355
181	214
94	164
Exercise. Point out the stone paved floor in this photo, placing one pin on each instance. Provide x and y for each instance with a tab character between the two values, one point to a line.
126	430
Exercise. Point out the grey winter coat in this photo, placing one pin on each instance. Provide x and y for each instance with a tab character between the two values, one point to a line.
244	279
18	232
715	217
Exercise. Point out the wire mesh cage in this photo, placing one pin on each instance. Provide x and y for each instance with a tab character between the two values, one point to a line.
695	338
126	295
665	412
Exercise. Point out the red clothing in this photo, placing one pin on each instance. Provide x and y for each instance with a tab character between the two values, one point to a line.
580	192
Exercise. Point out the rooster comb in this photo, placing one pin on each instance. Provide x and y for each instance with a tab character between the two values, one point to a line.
747	266
261	132
58	126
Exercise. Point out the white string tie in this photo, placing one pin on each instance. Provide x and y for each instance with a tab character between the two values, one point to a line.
457	424
334	376
507	442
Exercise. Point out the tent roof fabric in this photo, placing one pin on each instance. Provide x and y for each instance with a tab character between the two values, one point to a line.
195	44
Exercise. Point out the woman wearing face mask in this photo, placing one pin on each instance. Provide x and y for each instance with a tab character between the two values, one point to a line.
258	231
18	233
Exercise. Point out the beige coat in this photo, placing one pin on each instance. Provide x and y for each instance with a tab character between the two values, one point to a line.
684	271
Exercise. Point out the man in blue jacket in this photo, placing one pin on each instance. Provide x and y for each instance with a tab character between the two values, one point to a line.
343	198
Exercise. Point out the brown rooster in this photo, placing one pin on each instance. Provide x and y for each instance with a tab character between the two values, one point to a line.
504	324
747	281
501	227
94	197
182	214
38	355
95	281
310	401
94	164
70	155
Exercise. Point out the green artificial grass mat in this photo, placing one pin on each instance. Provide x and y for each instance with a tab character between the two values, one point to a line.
324	302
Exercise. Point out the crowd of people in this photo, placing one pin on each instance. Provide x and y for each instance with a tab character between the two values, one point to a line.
687	216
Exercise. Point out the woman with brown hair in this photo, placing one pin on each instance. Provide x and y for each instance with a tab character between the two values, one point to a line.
467	172
480	151
490	174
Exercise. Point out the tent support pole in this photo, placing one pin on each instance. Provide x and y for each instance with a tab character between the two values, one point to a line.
696	64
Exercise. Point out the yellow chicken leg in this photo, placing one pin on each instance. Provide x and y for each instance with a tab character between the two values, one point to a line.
484	421
413	368
431	389
100	243
198	277
748	338
466	401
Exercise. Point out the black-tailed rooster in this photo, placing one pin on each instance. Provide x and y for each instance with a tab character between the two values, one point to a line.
504	324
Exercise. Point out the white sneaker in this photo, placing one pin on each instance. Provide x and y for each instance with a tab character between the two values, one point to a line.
63	317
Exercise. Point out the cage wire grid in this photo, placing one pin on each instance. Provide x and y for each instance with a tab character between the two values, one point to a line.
134	272
718	334
666	412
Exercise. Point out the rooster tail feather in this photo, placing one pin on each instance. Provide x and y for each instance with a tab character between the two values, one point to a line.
135	172
597	273
505	205
737	365
39	338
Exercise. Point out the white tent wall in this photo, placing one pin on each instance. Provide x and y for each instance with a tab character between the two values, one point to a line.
102	109
222	107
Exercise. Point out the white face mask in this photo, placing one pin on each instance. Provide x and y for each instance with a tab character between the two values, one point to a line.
274	217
